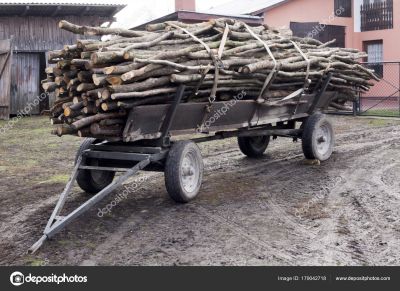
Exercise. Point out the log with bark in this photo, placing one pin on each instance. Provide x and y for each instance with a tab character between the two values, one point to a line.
97	82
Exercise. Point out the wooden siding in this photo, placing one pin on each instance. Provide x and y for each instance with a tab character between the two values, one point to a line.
25	80
5	80
42	33
32	36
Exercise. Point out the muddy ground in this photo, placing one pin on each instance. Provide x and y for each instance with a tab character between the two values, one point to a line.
277	210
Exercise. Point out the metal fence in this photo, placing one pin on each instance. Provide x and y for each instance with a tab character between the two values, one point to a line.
384	98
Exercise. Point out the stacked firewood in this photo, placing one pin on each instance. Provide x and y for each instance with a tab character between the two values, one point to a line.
96	82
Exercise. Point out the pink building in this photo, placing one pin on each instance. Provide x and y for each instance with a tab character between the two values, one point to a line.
369	25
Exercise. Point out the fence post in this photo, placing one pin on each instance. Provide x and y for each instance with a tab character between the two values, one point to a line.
355	108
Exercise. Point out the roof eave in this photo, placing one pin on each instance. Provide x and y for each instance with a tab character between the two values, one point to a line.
199	16
269	7
114	9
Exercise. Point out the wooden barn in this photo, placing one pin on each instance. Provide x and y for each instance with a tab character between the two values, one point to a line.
27	31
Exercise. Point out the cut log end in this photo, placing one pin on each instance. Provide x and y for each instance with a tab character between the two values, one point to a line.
114	80
67	111
105	94
109	70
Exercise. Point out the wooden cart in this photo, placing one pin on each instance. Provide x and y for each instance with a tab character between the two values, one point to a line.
148	144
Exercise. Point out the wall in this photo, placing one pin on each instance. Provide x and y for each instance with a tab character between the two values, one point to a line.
188	5
5	78
41	33
308	11
390	37
391	53
322	11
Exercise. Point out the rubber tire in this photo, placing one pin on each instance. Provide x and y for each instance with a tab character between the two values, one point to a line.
247	146
172	171
308	141
85	179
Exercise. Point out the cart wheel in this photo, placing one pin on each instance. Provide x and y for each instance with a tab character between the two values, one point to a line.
254	146
318	138
92	181
183	171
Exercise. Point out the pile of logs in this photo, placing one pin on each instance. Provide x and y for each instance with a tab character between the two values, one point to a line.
96	82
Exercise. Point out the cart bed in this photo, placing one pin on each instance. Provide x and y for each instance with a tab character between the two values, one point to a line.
145	122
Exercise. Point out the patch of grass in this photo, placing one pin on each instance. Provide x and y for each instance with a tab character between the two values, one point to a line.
37	131
91	245
62	179
36	262
383	112
29	163
63	242
53	146
378	122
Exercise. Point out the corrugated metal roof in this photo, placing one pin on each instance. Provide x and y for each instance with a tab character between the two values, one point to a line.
244	7
59	9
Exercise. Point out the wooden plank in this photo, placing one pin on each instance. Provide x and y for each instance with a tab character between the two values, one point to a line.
144	122
5	78
25	82
42	33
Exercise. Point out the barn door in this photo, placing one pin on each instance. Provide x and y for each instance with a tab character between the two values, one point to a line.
334	32
323	33
5	77
303	29
25	84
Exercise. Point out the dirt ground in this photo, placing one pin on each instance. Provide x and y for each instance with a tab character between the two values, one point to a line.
277	210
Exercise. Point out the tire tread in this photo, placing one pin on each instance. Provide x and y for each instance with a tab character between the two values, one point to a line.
84	178
247	148
307	137
172	169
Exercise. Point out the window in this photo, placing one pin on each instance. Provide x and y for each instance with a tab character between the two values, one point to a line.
374	50
366	2
343	8
376	15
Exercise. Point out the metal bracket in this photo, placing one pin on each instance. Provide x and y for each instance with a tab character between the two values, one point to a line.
164	140
320	92
56	222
